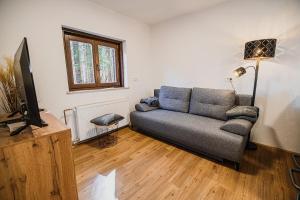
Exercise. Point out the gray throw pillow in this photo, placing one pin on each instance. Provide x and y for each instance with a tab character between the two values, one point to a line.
150	101
249	111
212	102
251	119
238	126
142	107
106	120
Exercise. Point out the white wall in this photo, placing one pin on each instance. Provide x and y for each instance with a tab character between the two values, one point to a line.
41	22
202	49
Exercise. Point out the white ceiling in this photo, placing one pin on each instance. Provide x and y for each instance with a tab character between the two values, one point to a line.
155	11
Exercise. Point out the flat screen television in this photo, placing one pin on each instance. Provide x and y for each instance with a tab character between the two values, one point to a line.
28	106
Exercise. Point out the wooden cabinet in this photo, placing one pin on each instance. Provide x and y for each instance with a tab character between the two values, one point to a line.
38	163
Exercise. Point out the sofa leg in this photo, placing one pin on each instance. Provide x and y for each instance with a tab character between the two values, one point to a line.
237	166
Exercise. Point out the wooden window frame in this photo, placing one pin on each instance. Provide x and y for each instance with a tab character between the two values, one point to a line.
74	35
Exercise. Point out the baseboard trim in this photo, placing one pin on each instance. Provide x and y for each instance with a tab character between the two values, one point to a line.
272	147
128	125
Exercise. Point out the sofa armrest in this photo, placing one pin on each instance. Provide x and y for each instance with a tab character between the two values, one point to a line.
238	126
142	107
243	100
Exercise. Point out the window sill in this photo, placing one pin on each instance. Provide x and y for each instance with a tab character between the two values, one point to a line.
97	90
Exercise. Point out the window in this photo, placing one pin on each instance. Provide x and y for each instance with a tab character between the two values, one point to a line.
92	61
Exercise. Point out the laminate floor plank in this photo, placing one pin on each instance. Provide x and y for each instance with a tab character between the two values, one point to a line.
135	166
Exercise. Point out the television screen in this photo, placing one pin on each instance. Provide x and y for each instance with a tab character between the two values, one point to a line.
25	85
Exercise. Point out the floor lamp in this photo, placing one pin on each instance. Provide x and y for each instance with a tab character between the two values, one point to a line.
256	50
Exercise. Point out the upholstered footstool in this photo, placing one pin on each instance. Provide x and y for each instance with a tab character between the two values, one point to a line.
107	121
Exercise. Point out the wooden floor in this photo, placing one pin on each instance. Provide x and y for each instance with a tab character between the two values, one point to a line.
139	167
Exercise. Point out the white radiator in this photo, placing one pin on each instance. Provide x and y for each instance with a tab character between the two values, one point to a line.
78	118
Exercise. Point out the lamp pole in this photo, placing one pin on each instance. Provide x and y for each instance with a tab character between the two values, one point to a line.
251	145
255	82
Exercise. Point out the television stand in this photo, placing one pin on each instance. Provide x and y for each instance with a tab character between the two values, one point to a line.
38	164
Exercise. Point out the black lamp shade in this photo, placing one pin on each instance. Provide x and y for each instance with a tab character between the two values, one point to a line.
264	48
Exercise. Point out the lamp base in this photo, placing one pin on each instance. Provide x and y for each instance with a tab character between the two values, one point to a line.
251	146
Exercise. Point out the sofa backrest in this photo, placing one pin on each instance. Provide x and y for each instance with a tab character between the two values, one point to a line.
240	99
174	98
211	102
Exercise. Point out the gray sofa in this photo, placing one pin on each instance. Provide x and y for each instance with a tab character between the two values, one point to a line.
192	118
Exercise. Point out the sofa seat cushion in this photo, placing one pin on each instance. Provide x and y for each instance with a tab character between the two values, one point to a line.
211	102
197	132
174	98
237	126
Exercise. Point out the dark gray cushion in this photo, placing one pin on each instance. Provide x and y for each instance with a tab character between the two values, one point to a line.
106	120
237	126
201	134
151	101
249	111
250	119
212	102
174	98
142	107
